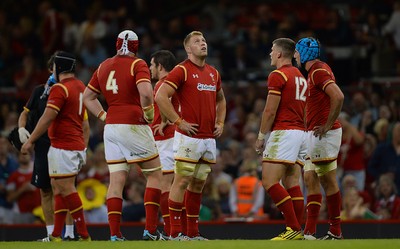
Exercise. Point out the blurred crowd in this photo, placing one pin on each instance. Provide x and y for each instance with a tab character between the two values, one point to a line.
360	41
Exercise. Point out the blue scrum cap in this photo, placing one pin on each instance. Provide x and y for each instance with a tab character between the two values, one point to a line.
308	49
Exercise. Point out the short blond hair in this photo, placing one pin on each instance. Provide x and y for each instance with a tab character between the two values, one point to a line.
190	35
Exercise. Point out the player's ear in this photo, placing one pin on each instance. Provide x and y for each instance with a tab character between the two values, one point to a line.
187	49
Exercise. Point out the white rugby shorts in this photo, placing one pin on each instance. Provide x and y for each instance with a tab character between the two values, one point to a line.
166	152
129	143
286	147
325	149
194	150
64	163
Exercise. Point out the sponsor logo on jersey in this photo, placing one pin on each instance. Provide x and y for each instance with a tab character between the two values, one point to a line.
205	87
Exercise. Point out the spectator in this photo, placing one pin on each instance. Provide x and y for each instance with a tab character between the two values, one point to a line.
351	155
353	206
21	192
133	209
7	166
387	204
386	158
247	193
93	194
392	28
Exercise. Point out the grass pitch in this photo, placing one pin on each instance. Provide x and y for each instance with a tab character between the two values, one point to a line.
212	244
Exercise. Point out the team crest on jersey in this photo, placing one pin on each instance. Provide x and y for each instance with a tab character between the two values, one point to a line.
212	77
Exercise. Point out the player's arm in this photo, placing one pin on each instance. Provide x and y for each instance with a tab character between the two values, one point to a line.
42	126
86	129
267	119
269	113
336	102
93	104
221	113
146	100
163	101
22	120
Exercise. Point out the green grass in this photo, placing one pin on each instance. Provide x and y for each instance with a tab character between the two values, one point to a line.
212	244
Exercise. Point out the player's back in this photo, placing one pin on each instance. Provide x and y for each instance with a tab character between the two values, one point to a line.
118	78
289	83
318	104
66	130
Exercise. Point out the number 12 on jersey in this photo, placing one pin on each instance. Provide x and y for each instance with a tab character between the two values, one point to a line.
301	88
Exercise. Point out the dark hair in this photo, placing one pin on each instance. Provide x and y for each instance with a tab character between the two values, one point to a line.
50	62
287	45
164	58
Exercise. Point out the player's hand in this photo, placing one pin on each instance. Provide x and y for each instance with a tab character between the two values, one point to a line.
27	147
320	131
23	134
260	146
159	128
188	128
218	129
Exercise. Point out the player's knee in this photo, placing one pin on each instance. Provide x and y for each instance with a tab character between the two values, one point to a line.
310	178
197	185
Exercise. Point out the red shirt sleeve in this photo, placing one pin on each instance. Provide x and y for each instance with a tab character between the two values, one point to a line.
276	82
58	94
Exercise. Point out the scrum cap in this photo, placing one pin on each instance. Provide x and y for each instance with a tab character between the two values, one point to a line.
127	41
65	63
308	49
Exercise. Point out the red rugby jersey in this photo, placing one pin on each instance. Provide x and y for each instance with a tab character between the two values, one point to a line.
66	98
197	89
289	83
318	103
117	79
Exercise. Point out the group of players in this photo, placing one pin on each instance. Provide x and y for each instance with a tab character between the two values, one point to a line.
170	133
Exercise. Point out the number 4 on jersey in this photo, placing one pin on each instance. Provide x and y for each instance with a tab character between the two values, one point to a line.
112	83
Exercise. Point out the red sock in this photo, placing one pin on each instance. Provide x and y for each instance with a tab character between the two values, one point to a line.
282	200
334	202
151	205
193	201
60	212
298	202
183	216
114	206
175	212
76	209
165	212
313	207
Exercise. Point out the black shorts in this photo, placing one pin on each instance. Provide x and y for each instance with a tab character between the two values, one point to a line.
40	175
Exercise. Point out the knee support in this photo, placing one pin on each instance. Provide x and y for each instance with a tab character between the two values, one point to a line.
323	168
184	168
148	171
118	167
201	172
